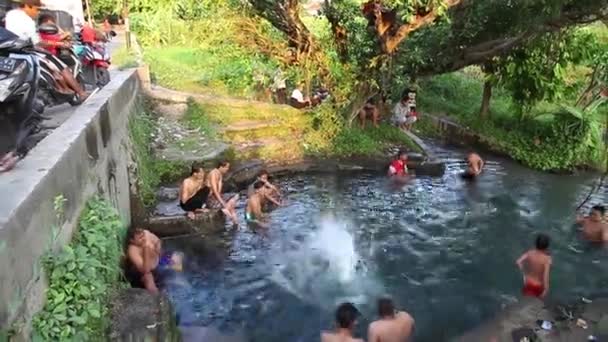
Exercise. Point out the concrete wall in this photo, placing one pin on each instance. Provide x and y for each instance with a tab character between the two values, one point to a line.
89	154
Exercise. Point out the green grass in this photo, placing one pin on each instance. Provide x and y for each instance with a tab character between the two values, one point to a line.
124	58
371	141
222	70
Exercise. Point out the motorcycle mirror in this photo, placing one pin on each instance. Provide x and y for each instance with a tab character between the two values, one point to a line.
113	33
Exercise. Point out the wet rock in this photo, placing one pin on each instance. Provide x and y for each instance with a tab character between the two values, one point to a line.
165	226
167	194
243	175
137	315
416	157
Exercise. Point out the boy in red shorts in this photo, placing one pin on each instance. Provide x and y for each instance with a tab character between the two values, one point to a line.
535	265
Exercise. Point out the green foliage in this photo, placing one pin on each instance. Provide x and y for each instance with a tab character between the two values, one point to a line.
371	141
327	124
102	8
549	137
81	277
408	9
537	71
141	130
481	30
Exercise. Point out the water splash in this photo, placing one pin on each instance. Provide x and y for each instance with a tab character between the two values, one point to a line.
326	267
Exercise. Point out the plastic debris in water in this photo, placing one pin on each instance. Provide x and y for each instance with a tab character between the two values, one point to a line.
546	325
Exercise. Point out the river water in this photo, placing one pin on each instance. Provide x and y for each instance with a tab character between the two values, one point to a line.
443	248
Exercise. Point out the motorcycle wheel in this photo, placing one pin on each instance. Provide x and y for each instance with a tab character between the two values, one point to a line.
103	76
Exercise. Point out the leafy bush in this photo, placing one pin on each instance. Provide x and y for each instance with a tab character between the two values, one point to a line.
141	131
326	126
81	277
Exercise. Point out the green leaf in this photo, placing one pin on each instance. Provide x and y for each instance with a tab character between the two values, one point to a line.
60	308
94	313
79	320
59	297
548	117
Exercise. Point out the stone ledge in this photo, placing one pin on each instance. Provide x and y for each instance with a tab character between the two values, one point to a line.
137	315
169	226
87	154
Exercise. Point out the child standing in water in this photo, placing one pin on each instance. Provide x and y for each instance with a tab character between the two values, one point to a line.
535	265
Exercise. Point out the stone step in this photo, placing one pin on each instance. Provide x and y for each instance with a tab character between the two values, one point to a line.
249	125
213	151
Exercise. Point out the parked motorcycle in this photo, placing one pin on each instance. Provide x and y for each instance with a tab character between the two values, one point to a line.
20	110
47	83
96	61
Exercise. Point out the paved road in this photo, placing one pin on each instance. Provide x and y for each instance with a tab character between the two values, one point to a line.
56	115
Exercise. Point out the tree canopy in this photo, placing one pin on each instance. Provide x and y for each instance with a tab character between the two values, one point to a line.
434	36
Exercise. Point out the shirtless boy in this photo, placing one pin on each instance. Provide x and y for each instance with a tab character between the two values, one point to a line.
216	200
594	228
253	212
536	265
193	193
393	326
272	193
474	165
346	317
144	257
369	110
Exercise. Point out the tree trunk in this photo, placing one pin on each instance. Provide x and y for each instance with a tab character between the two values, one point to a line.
485	101
284	15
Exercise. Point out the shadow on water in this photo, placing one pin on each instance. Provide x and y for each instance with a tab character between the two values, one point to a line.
444	248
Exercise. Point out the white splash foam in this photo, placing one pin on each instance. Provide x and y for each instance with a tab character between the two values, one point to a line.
326	268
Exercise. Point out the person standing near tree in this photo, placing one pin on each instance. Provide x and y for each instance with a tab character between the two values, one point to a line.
107	28
369	110
279	87
401	112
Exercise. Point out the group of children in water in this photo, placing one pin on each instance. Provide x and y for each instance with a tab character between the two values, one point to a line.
199	193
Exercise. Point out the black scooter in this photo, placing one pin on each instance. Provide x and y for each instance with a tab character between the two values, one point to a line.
20	110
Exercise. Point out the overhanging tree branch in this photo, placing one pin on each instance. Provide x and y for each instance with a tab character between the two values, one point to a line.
474	50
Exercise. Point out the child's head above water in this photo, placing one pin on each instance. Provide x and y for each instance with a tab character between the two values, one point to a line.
542	242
